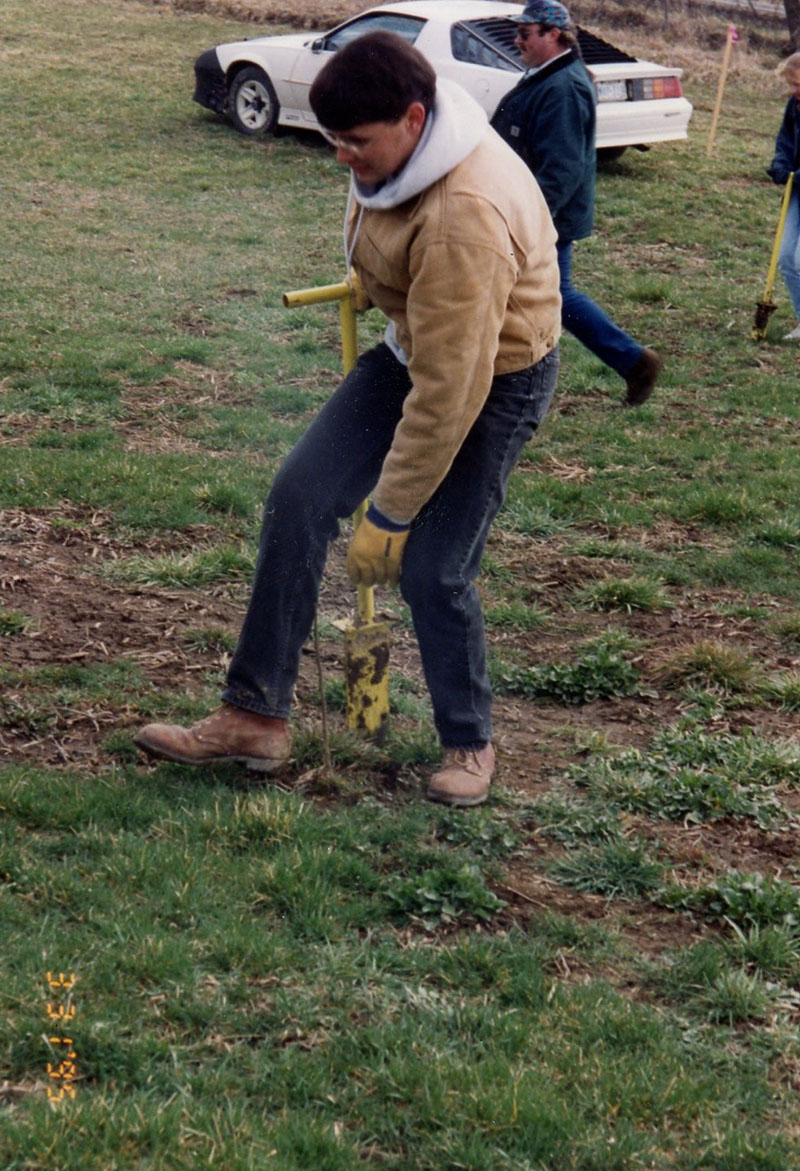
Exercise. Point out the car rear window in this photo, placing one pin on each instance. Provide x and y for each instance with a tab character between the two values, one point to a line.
473	45
496	34
596	51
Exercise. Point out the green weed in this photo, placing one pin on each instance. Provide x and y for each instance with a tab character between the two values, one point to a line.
745	900
187	571
784	690
610	550
617	869
21	715
784	535
224	499
483	833
516	615
13	622
719	507
737	996
626	594
532	520
651	290
690	775
787	628
712	664
600	673
702	979
570	820
210	640
771	951
444	894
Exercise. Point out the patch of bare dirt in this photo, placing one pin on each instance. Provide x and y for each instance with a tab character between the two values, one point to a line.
51	564
51	570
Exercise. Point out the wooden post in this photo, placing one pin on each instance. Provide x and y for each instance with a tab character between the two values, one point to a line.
732	36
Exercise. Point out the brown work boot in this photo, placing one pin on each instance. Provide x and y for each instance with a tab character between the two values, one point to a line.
261	743
642	378
464	777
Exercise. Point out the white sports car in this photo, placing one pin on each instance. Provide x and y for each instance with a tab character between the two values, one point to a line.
264	82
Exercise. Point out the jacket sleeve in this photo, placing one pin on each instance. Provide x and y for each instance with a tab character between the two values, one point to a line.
560	143
456	307
784	161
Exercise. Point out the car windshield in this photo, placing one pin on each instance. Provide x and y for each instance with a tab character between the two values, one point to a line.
407	27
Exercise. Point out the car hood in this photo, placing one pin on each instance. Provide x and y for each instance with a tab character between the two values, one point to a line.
261	48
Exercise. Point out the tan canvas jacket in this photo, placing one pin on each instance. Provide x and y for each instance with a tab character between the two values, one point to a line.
467	272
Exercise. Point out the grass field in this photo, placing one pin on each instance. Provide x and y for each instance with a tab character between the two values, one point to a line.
600	971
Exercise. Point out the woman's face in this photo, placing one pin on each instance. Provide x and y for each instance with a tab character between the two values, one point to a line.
793	82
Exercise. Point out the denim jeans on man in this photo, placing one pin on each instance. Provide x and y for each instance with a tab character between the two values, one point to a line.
331	470
789	254
590	325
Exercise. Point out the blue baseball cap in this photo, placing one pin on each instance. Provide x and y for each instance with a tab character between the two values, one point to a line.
547	12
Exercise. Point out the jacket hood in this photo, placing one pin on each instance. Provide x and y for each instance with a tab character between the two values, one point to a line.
452	131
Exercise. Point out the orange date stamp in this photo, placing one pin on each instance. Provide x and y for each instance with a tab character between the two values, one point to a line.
61	1012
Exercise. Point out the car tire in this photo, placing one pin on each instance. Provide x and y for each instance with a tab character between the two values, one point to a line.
607	154
252	102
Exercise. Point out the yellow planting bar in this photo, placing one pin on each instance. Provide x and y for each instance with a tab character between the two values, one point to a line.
766	306
366	641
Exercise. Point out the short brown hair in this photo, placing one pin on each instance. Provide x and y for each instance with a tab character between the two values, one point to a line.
373	79
790	67
566	36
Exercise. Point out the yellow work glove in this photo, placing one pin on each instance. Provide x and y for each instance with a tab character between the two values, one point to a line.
359	295
375	554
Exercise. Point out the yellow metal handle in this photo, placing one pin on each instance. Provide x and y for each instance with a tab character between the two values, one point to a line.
348	297
316	296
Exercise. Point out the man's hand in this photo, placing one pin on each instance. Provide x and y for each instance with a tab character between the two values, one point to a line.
375	553
358	294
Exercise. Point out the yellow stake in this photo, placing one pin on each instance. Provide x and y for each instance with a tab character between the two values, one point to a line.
366	641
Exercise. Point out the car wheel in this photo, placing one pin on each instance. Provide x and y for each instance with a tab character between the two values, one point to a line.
607	154
252	102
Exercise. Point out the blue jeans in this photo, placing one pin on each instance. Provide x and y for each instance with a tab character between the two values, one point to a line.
591	326
789	255
330	471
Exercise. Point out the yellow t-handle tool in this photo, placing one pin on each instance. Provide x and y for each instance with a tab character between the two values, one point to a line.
766	307
366	642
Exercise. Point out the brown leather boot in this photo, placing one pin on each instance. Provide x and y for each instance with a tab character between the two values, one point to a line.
642	378
261	743
464	777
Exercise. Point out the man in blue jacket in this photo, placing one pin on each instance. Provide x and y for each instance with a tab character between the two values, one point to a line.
549	120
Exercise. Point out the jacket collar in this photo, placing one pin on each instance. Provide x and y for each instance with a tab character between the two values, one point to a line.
554	66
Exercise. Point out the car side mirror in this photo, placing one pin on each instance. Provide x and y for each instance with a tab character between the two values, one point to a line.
318	45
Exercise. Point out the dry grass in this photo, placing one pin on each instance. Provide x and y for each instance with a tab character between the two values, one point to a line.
310	14
693	32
